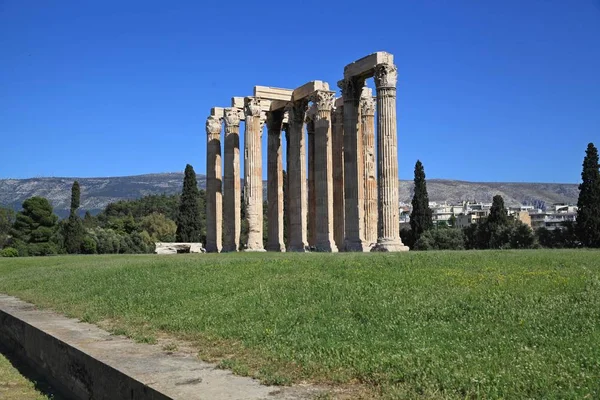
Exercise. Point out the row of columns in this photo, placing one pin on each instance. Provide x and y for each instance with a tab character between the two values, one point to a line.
342	201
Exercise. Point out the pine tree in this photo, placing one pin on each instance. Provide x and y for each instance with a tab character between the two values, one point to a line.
421	216
588	204
73	229
188	218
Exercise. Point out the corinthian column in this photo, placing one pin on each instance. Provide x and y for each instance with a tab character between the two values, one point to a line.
354	187
231	186
213	185
338	175
323	100
367	114
296	169
312	200
275	182
253	188
386	76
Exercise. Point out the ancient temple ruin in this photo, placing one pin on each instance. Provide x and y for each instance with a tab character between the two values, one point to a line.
338	199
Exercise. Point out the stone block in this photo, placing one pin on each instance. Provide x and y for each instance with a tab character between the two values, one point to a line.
308	88
174	248
366	92
339	102
278	104
237	102
272	93
365	67
218	112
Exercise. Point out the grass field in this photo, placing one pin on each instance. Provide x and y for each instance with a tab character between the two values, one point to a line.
13	386
487	324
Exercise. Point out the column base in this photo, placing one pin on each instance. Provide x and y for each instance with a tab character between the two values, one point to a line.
298	249
356	245
212	249
254	250
390	245
326	248
276	247
229	249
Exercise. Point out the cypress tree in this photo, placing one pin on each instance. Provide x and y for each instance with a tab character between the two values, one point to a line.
498	214
421	216
588	203
73	229
188	218
75	197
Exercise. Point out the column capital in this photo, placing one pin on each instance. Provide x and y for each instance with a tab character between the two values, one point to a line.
213	125
275	122
351	88
296	111
310	114
323	100
263	119
386	76
232	117
252	106
367	106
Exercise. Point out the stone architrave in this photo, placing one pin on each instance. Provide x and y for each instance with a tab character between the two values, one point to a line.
323	171
312	199
296	170
354	188
253	186
213	185
338	174
367	115
232	191
386	76
275	182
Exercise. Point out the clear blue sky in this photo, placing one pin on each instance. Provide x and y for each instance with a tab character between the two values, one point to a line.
488	90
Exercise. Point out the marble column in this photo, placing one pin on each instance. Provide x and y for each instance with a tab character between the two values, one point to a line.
338	175
388	239
214	204
323	167
354	188
312	200
253	187
275	182
296	172
232	191
367	115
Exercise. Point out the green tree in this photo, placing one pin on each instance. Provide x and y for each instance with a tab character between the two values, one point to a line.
75	197
498	214
441	239
34	228
73	231
159	227
7	219
588	204
421	216
188	220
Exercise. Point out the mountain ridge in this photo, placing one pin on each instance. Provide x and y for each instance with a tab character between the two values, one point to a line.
97	192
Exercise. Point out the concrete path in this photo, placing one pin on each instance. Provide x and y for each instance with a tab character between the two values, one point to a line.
89	361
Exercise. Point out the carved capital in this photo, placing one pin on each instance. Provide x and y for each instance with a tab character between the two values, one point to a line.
311	113
252	106
263	119
367	106
275	122
232	117
213	125
323	100
386	76
296	112
351	88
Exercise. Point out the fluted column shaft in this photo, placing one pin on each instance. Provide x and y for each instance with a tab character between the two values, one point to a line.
253	187
231	186
296	171
338	175
275	182
312	199
387	160
323	167
353	172
367	107
214	204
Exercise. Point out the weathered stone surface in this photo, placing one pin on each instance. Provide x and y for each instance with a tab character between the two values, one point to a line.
365	67
367	115
253	191
272	93
338	174
214	201
275	182
177	247
388	239
232	191
308	89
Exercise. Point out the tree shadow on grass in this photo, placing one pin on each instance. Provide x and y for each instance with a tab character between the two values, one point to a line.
38	380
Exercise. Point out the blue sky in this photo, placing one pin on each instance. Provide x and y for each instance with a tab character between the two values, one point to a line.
487	91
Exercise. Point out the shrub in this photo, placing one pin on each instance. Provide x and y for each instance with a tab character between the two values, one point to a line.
441	239
9	252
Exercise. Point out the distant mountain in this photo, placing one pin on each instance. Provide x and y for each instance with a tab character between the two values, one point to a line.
96	193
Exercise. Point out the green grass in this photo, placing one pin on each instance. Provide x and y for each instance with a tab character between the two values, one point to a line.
488	324
13	386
